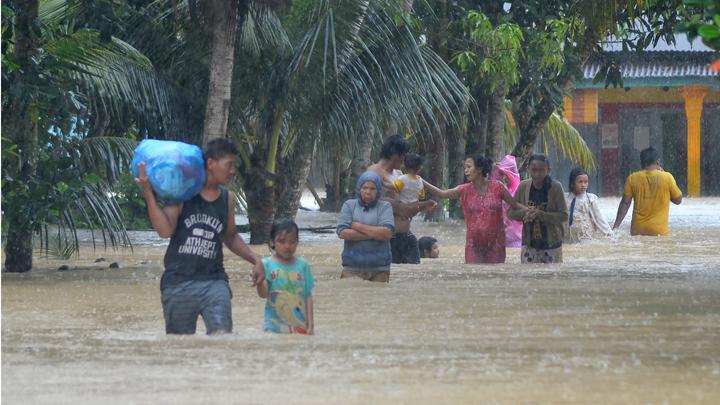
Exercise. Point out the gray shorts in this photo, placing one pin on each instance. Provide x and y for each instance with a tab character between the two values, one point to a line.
182	303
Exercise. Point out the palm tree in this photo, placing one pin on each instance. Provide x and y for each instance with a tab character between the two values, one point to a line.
342	70
60	82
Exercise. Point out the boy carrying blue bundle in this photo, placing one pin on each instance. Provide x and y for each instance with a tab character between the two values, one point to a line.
194	282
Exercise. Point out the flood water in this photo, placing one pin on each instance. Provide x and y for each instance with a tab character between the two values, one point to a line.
621	321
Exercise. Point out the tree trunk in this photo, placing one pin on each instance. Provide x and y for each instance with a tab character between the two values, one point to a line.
360	161
435	169
496	123
456	170
261	207
20	126
18	251
222	15
296	171
476	138
530	122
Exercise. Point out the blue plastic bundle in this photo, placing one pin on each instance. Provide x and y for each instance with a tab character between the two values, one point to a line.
176	170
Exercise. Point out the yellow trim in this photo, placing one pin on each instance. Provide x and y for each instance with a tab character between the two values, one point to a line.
694	96
590	107
567	106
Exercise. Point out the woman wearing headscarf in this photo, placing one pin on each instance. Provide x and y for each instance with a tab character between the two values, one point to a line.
366	224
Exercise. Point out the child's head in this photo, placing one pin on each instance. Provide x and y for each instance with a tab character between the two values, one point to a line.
220	159
539	167
429	247
579	180
394	149
477	166
413	163
284	238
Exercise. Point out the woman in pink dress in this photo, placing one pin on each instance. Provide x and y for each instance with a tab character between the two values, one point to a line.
481	200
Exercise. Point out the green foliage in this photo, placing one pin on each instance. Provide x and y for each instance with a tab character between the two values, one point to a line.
63	194
58	169
704	21
495	53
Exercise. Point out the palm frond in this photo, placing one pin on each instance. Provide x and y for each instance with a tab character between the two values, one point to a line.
110	156
373	75
559	134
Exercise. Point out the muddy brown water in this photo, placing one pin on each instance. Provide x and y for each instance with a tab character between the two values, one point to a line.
623	320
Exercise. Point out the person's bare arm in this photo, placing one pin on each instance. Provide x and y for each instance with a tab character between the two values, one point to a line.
508	198
164	220
310	316
352	234
452	193
236	245
409	210
262	289
372	232
622	211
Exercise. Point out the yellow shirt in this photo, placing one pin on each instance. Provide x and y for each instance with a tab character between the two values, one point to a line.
651	191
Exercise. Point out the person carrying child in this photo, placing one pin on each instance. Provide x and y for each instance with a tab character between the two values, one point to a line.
366	225
541	207
194	281
288	283
403	243
584	216
481	200
410	190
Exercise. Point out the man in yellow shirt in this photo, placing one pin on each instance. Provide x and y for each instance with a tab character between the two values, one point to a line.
652	189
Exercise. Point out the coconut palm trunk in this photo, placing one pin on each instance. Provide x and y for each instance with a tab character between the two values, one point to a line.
456	172
19	125
435	168
296	172
223	15
261	207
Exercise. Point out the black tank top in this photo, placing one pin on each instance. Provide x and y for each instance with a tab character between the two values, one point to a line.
195	251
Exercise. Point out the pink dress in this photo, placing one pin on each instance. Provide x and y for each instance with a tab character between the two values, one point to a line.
485	238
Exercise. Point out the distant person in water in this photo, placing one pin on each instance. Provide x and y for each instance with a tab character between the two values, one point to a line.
542	208
506	172
481	200
366	225
194	282
651	190
429	247
584	216
288	283
392	157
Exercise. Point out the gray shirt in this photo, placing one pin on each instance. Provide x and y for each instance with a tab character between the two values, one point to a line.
366	255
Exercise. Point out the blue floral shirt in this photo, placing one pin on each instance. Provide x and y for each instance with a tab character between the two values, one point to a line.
289	286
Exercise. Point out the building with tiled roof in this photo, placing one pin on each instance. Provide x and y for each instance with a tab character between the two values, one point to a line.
670	99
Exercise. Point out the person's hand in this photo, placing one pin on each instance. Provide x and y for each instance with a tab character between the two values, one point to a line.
310	331
430	205
258	273
530	215
142	178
